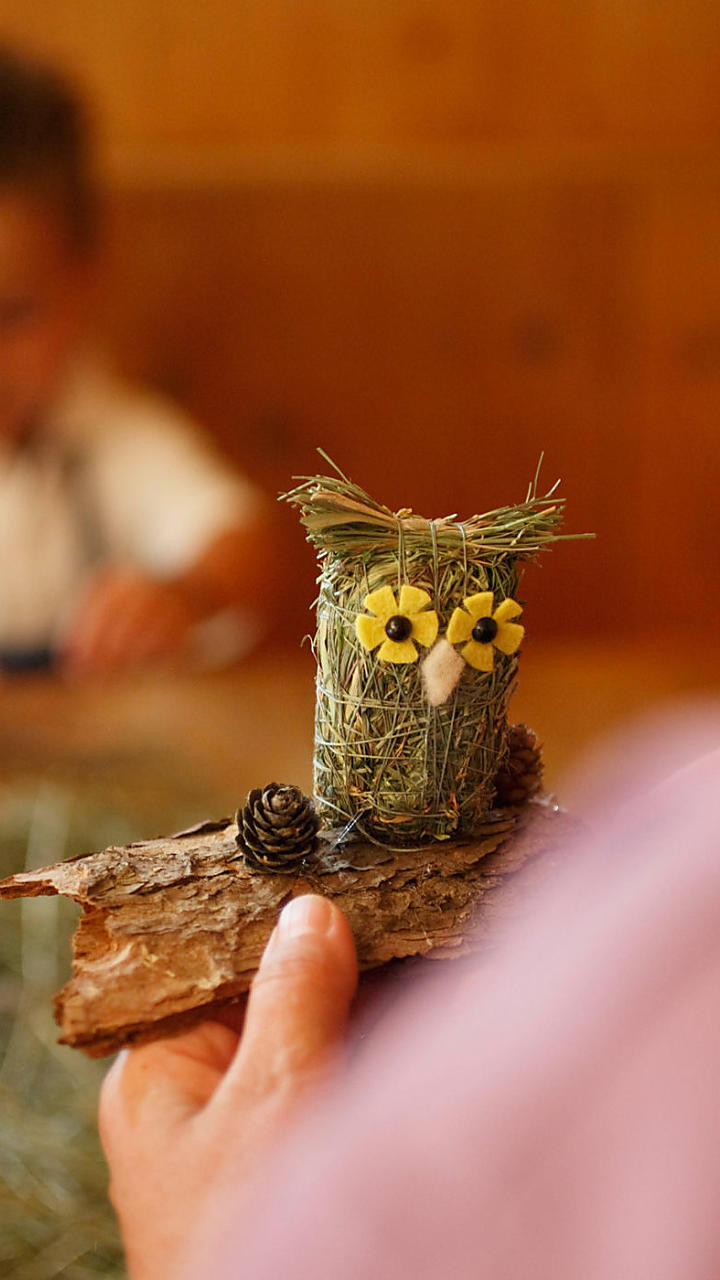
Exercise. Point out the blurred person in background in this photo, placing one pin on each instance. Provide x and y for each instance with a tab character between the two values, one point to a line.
125	538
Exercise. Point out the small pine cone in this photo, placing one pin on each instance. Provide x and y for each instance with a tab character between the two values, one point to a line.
277	828
520	777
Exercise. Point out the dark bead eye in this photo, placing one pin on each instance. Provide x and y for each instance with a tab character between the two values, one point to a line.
485	630
398	627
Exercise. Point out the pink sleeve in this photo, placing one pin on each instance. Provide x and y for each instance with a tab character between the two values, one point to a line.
553	1114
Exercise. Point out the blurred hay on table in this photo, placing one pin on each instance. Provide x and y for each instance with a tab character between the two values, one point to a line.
55	1219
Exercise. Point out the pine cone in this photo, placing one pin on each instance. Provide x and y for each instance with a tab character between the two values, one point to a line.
277	827
520	777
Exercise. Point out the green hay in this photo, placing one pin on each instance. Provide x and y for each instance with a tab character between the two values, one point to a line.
405	771
55	1218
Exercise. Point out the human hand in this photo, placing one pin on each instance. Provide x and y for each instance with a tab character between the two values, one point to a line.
192	1118
125	620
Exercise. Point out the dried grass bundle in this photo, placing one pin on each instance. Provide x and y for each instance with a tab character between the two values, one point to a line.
403	770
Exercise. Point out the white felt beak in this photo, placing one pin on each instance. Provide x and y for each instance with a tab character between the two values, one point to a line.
441	672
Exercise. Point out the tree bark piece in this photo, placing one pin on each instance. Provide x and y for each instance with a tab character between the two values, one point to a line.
172	928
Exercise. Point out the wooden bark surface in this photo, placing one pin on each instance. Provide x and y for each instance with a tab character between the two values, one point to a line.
173	927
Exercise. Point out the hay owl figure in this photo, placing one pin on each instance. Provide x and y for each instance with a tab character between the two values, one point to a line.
418	634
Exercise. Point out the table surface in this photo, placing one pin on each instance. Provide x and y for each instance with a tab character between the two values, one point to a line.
88	765
161	750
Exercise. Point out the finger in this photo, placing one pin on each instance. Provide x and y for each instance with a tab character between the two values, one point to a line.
102	602
131	623
155	634
156	1088
232	1015
79	639
298	1005
121	642
127	632
120	636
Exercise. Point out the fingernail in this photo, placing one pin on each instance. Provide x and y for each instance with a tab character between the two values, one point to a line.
308	914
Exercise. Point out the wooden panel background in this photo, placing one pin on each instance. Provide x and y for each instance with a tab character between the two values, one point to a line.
435	239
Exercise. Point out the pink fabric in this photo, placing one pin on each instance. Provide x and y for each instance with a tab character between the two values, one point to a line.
553	1113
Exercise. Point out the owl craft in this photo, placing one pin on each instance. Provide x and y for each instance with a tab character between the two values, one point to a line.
419	630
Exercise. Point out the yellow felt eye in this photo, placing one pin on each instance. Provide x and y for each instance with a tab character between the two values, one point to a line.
482	629
397	626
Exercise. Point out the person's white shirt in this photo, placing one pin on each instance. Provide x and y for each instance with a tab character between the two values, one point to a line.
118	475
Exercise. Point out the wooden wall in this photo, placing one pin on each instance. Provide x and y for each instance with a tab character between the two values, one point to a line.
435	238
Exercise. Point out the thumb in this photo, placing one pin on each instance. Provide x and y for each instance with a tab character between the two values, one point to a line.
298	1004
